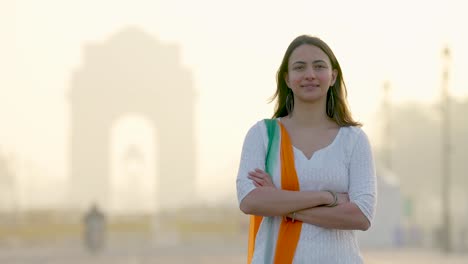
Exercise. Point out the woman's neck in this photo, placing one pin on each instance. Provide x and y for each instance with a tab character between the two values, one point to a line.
309	114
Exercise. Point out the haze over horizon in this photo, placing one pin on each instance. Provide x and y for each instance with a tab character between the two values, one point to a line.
232	51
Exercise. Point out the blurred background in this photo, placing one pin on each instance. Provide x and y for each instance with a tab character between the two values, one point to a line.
122	123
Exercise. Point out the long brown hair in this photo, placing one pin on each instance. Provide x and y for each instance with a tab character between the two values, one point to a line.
336	107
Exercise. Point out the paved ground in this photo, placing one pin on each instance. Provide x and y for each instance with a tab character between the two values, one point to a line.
131	251
414	257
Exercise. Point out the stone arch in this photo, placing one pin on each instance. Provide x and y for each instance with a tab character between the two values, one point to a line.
131	72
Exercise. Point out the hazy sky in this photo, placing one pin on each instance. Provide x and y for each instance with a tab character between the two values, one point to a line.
233	49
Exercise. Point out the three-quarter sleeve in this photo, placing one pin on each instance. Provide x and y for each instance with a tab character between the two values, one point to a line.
362	178
252	157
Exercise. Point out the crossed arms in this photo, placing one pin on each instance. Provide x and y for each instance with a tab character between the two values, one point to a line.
309	206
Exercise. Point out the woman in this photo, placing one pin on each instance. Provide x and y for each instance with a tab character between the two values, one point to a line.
310	173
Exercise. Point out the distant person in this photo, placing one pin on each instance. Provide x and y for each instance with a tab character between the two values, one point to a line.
309	171
95	230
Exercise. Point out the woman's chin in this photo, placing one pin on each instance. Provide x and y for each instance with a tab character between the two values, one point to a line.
311	98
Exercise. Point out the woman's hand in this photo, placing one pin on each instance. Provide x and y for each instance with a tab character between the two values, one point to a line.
342	198
261	178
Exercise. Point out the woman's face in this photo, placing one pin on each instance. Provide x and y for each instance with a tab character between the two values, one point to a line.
310	73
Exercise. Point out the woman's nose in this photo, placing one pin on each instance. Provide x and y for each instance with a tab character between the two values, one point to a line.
310	73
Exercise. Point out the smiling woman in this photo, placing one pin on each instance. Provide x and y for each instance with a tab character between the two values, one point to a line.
305	209
310	74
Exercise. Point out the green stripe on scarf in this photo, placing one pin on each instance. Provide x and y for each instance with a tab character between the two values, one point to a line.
270	164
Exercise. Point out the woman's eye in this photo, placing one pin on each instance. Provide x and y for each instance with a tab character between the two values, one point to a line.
319	66
298	67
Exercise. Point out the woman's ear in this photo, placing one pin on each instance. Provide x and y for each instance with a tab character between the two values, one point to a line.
334	75
286	79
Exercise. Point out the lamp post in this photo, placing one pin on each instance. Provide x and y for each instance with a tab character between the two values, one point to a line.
387	127
445	168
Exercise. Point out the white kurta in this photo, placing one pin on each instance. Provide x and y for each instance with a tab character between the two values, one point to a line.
346	165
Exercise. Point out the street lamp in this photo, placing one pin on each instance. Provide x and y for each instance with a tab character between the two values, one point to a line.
445	168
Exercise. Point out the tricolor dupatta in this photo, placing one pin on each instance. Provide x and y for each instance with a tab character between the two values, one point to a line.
271	154
289	232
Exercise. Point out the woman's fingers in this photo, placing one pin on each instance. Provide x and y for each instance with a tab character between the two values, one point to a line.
256	179
342	198
258	173
259	180
256	176
260	177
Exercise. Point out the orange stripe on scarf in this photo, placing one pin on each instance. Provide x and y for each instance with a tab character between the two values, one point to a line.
255	222
289	233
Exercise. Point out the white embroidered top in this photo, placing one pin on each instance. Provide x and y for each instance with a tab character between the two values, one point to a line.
346	165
